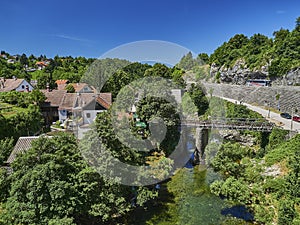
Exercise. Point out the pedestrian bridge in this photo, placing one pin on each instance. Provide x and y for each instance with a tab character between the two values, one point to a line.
257	124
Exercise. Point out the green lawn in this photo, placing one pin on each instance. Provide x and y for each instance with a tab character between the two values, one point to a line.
8	110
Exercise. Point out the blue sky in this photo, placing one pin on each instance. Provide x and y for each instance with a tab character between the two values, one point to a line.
92	27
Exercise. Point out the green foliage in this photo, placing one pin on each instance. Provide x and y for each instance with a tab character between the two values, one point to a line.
187	62
197	94
277	137
152	107
228	160
286	212
283	150
100	73
4	186
188	105
6	146
282	52
52	184
70	88
272	198
203	57
21	123
233	189
22	115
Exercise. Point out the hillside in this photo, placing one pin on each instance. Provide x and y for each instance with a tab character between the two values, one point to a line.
241	58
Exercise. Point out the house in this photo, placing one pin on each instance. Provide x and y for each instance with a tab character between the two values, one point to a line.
100	103
41	65
50	107
78	87
11	61
15	84
4	56
83	88
61	105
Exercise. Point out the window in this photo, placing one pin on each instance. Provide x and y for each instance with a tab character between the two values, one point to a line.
88	115
22	86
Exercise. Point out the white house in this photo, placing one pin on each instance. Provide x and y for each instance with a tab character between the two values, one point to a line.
15	84
83	106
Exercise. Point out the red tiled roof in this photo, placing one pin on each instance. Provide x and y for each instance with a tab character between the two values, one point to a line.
41	64
59	82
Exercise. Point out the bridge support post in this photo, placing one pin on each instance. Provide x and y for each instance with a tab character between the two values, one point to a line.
201	137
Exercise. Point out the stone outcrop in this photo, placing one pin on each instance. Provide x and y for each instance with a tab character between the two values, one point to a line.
239	73
291	78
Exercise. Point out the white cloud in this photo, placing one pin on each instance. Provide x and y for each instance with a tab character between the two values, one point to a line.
72	38
280	12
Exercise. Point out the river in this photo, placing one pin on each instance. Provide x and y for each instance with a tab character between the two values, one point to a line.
186	200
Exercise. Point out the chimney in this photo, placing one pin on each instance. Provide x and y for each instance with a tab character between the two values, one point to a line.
48	87
14	77
2	82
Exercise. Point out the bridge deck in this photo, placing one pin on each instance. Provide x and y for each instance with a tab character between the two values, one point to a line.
232	124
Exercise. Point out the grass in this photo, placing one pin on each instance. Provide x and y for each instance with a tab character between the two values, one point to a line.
8	110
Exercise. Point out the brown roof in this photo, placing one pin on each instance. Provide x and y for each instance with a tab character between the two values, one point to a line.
11	84
22	145
79	86
105	100
67	101
54	97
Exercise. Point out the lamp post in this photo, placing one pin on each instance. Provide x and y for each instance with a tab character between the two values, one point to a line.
268	104
294	110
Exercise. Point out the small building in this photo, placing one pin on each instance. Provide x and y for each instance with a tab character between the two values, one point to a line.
258	82
22	145
15	84
41	65
177	93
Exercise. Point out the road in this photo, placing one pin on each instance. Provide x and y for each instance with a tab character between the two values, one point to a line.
274	117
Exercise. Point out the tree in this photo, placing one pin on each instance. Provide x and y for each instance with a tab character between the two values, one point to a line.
203	57
187	62
52	183
228	159
297	24
198	96
24	60
70	88
6	147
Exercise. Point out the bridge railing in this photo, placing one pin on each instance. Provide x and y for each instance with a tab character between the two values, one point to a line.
236	123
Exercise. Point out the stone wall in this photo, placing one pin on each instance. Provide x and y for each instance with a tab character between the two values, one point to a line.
263	96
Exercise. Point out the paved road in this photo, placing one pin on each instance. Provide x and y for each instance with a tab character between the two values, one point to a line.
274	117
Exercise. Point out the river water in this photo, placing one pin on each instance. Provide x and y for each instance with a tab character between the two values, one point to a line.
186	200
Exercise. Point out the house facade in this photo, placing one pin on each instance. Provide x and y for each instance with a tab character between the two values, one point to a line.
15	84
62	106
